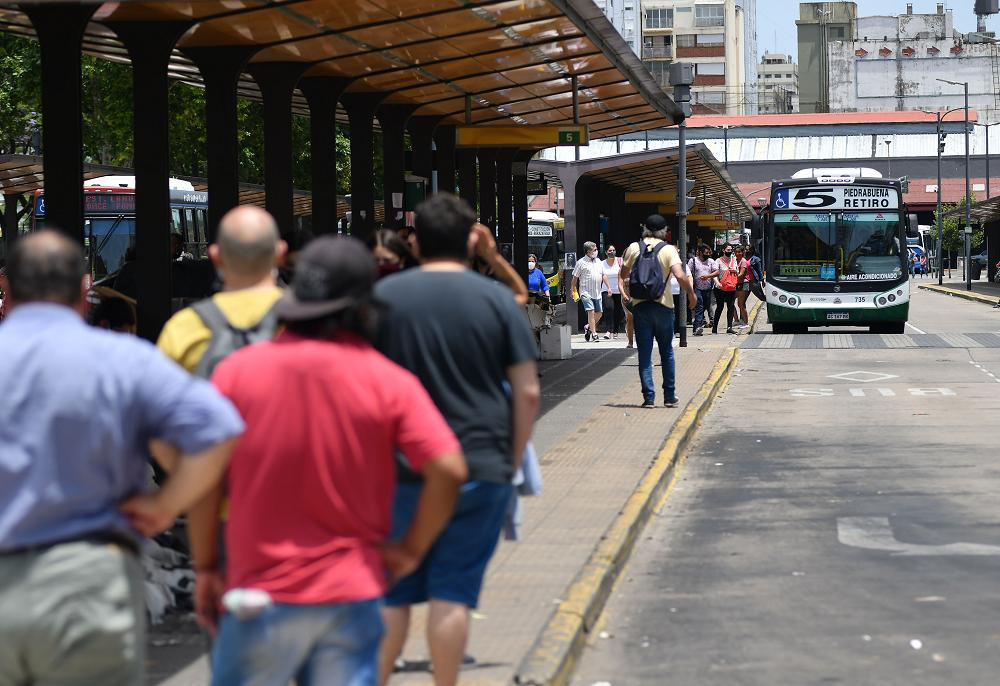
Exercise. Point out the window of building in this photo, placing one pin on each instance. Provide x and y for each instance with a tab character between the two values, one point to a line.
705	39
836	32
710	68
659	18
709	15
685	40
660	69
712	97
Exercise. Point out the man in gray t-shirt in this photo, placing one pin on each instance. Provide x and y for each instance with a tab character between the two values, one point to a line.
463	336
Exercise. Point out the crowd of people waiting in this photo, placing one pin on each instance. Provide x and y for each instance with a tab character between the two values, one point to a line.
726	278
356	461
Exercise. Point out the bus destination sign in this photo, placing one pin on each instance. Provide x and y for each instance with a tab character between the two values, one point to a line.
853	197
109	203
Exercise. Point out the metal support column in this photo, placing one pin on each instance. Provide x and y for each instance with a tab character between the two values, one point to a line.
505	197
277	82
220	69
361	114
421	142
488	187
149	47
321	93
59	27
682	214
466	162
937	216
444	158
574	82
392	119
968	198
519	188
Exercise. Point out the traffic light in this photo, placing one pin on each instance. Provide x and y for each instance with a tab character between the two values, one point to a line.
941	138
685	200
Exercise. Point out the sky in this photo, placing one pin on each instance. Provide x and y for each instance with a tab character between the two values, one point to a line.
776	19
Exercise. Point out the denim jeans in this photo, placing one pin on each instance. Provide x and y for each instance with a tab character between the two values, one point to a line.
653	320
704	305
334	643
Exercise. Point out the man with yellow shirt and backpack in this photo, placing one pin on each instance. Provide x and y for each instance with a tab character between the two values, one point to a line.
245	254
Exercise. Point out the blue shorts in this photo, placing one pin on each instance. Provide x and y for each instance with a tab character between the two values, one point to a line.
589	303
454	567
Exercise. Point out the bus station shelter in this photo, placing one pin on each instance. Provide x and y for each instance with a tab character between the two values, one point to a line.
437	70
606	199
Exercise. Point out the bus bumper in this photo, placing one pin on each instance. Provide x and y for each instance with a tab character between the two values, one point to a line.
812	316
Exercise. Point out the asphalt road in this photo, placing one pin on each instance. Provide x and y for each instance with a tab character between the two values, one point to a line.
836	522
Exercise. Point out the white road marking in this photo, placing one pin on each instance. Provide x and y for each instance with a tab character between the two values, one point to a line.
862	376
914	328
874	533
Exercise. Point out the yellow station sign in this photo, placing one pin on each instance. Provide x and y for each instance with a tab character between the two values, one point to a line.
526	136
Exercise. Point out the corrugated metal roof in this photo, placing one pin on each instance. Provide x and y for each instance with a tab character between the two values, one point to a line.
825	118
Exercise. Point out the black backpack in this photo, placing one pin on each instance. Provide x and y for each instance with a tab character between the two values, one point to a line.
647	281
225	337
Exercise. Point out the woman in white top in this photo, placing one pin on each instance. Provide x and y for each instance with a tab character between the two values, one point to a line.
611	295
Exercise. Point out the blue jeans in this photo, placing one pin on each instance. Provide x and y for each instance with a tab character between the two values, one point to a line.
653	320
334	643
704	305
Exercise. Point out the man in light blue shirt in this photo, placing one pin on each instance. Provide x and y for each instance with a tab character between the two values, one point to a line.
79	409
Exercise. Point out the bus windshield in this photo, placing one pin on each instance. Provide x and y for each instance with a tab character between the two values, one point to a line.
109	238
837	246
542	244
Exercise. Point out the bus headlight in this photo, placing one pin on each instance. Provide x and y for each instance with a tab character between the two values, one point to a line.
899	293
882	300
783	299
793	302
892	298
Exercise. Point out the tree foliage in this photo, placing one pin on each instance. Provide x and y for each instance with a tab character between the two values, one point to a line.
108	121
953	228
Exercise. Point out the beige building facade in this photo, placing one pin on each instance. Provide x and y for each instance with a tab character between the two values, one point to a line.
718	37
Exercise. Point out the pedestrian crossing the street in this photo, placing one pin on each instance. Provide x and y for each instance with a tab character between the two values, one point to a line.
870	341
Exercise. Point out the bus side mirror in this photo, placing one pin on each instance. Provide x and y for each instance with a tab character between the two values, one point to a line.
560	247
912	226
756	227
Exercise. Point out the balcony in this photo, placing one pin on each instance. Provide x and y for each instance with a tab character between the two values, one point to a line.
657	53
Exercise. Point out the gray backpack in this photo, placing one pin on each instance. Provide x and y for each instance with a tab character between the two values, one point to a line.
225	337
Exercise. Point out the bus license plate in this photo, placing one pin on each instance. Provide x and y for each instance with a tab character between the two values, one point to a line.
837	315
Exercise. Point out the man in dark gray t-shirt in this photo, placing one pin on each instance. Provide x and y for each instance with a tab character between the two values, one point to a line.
470	345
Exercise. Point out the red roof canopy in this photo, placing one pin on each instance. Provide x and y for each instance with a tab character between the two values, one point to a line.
820	119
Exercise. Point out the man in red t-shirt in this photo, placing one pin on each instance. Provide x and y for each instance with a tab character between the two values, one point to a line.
311	484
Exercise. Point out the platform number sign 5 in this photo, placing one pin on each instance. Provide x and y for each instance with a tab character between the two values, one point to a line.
812	198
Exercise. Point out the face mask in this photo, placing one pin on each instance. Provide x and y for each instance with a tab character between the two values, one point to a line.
531	265
387	268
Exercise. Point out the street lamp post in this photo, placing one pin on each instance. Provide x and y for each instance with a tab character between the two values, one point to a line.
681	78
888	156
968	191
987	126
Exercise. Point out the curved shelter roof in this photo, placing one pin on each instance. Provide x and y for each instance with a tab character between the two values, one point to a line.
514	58
655	171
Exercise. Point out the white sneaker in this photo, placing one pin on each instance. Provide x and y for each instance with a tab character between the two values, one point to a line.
607	337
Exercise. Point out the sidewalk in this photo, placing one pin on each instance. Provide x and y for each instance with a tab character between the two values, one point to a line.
596	444
982	291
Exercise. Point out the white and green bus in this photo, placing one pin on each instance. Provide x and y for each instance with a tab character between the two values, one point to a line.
834	251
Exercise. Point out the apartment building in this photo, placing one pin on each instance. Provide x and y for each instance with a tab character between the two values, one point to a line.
625	15
777	84
718	37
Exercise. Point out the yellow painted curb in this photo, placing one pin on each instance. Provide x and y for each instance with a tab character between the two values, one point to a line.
553	654
967	295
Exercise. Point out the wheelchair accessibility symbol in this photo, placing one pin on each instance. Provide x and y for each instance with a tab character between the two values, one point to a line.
781	200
